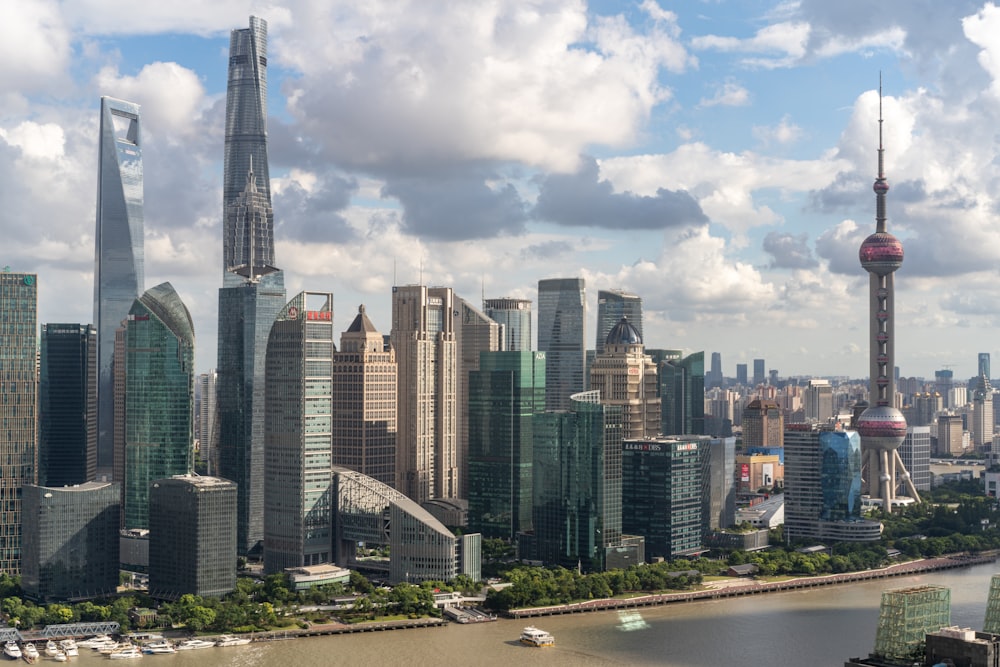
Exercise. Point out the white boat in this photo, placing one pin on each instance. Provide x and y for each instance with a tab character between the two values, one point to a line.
159	648
110	647
232	640
535	637
12	650
127	652
60	656
93	642
68	647
51	648
190	644
30	652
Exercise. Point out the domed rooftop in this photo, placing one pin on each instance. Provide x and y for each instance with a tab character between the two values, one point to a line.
623	333
881	253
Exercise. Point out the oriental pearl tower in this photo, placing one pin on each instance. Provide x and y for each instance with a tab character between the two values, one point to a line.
882	427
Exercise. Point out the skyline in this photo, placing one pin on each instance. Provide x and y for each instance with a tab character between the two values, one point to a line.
714	159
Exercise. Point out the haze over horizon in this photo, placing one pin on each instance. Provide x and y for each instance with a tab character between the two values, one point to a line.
715	158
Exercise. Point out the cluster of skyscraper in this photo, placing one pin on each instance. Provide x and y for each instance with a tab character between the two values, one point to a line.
588	458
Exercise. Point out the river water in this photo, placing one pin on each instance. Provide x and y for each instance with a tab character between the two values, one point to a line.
820	626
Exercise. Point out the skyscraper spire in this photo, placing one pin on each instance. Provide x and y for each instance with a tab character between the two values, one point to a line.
882	426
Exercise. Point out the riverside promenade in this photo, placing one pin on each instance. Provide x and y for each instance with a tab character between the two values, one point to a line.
754	587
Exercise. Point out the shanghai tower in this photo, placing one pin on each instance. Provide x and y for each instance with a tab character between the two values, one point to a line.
253	290
118	256
882	426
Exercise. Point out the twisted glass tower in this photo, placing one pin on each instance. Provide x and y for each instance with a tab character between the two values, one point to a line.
118	257
253	290
246	150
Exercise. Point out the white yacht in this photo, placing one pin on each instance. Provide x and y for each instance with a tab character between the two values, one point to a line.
232	640
161	647
535	637
12	650
30	652
51	648
127	652
68	647
189	644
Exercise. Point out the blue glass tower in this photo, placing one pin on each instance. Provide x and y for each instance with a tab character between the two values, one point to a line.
562	311
253	291
118	257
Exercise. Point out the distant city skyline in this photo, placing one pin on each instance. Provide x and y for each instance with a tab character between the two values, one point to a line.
720	169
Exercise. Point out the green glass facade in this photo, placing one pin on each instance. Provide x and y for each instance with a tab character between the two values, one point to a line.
662	487
682	394
840	475
159	396
506	395
577	483
18	404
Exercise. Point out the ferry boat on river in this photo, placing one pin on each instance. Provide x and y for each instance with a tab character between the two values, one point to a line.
535	637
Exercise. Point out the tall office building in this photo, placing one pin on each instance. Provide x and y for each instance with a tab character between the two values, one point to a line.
70	549
192	537
984	365
882	426
253	290
298	434
246	152
662	484
18	452
626	376
159	396
67	405
818	401
118	259
612	306
714	377
514	315
949	435
916	454
718	477
506	395
763	425
943	382
475	333
423	336
741	374
682	394
759	373
981	428
823	486
577	472
926	406
562	312
364	402
207	425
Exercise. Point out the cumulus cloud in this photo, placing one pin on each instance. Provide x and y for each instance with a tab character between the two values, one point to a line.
310	207
534	83
785	132
789	251
582	199
729	94
35	45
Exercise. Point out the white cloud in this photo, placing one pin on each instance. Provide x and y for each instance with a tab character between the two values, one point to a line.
730	94
34	47
784	133
171	97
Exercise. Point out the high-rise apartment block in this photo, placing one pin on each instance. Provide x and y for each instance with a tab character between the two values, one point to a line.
364	402
119	258
612	306
475	333
70	547
159	396
682	394
423	337
67	405
562	312
298	430
763	425
514	315
253	290
949	435
981	428
192	537
916	454
741	374
19	390
818	401
626	376
506	395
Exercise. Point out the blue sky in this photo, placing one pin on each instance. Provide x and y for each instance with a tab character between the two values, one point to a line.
715	157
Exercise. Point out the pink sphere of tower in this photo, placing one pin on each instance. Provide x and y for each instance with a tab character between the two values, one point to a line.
882	427
881	253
